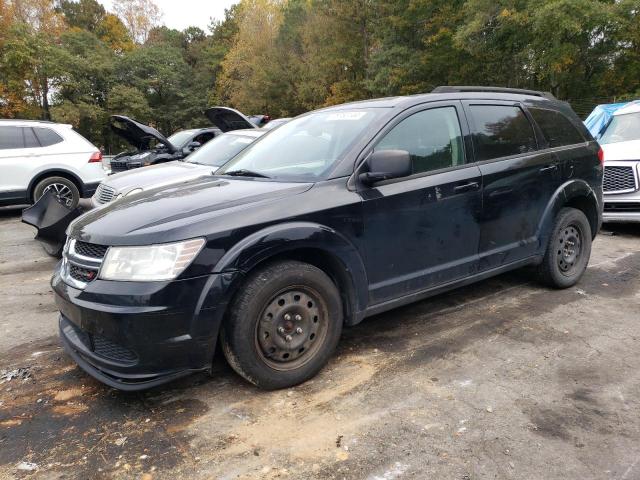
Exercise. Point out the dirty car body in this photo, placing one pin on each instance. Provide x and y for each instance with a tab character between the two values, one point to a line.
383	238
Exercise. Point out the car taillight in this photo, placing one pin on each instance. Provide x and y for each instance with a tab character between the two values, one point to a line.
601	156
96	158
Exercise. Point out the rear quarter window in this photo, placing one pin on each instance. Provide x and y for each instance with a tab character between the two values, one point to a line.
46	136
11	137
501	131
556	128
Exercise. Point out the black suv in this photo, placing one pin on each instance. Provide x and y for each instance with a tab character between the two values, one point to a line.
339	214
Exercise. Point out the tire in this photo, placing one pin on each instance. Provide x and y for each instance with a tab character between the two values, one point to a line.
568	250
283	325
68	192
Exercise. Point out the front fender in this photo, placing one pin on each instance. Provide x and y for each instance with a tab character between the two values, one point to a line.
289	237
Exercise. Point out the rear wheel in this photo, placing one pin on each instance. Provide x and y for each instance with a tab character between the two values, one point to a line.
283	325
568	250
64	189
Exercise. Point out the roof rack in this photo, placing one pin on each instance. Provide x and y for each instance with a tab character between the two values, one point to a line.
517	91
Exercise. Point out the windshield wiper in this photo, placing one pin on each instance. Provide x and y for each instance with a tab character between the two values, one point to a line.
245	173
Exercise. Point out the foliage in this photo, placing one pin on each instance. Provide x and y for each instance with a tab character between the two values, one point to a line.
73	61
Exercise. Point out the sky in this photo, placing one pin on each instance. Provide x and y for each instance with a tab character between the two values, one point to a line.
180	14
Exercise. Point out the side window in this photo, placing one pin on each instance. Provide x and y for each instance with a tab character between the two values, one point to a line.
30	140
501	131
10	137
556	128
432	137
46	136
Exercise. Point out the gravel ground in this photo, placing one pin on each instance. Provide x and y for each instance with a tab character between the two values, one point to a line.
502	379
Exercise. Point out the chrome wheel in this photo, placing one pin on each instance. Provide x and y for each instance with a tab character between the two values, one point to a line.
62	192
569	249
291	328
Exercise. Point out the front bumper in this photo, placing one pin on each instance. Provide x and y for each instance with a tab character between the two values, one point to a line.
622	208
136	335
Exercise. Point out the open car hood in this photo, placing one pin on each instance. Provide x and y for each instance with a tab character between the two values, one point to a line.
227	119
138	134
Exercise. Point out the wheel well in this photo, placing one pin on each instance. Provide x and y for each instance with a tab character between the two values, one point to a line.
54	173
330	265
588	207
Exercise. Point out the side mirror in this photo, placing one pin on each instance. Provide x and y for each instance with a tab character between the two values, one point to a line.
385	165
193	146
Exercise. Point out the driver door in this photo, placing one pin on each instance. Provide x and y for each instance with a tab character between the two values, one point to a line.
423	230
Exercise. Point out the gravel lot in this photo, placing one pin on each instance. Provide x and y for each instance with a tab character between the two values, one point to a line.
503	379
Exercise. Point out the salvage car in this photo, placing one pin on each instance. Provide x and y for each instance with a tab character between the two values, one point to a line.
620	143
204	161
152	148
337	215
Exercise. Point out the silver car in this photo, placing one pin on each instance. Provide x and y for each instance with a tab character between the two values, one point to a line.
204	161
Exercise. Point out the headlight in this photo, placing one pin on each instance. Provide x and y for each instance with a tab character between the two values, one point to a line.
151	262
133	192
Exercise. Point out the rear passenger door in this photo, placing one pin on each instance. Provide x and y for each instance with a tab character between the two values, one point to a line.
518	180
423	230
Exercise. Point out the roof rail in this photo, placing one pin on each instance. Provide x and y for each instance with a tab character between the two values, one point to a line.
517	91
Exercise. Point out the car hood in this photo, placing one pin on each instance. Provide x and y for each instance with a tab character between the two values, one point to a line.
138	134
199	208
622	150
156	176
228	119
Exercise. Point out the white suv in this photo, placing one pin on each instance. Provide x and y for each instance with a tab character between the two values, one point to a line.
39	156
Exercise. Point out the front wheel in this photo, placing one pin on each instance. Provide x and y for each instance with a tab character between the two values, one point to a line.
283	325
568	250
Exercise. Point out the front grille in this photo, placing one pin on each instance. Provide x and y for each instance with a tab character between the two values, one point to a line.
104	194
81	274
631	207
618	179
108	349
90	249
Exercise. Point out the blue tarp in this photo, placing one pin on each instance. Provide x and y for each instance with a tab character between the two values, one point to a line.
600	117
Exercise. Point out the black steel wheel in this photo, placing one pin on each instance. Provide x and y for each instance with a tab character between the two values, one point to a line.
568	250
283	325
291	328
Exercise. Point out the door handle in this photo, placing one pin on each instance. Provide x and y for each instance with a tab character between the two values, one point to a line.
549	168
466	187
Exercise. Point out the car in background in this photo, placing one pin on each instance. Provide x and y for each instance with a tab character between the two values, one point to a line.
37	157
275	123
151	147
204	161
259	120
620	142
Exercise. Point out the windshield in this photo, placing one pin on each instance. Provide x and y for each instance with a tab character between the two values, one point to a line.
622	128
179	138
220	150
306	148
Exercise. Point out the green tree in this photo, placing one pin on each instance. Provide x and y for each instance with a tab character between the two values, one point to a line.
85	14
